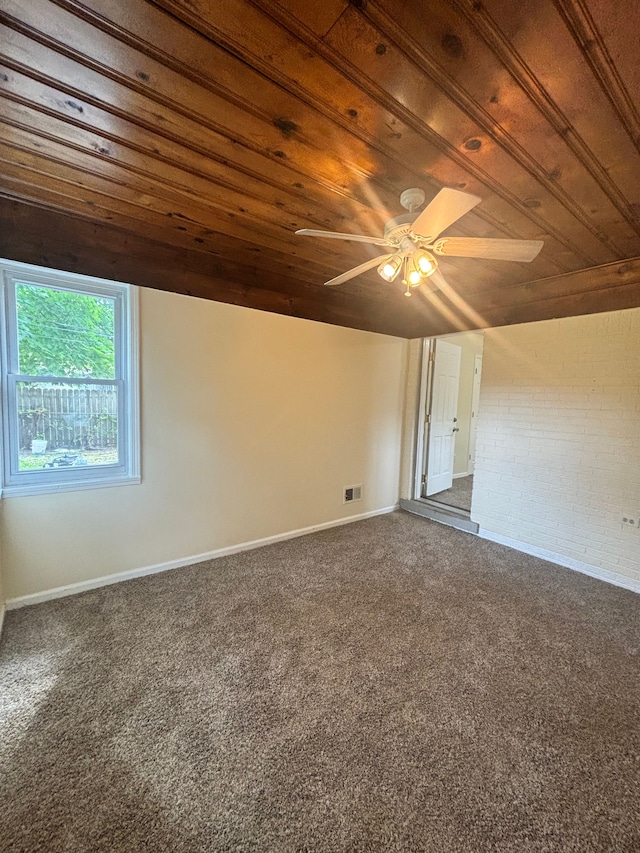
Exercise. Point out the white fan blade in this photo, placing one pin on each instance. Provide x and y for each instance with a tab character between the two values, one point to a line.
367	265
336	235
497	250
448	206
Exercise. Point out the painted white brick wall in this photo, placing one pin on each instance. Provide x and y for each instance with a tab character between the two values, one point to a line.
558	445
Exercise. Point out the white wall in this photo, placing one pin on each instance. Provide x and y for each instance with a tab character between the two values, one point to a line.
558	447
252	424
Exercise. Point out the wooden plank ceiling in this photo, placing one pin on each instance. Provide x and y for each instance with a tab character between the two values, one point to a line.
178	144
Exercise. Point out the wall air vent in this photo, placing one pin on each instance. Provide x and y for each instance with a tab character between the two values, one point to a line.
352	493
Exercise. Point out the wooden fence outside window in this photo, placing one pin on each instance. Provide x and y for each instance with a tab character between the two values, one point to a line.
68	417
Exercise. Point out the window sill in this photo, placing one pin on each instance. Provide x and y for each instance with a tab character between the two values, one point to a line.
21	491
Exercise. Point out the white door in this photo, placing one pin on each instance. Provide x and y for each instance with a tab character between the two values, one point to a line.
442	426
475	401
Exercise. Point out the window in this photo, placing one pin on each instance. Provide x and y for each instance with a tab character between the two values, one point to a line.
69	381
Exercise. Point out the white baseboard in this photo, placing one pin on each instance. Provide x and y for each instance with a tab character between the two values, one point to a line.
457	476
106	580
567	562
2	612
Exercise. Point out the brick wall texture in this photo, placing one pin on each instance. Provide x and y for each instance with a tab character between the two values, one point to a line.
558	445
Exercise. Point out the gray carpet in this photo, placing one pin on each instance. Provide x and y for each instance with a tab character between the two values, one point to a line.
459	495
391	685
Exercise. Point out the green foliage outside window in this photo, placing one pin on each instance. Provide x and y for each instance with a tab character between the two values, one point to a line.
61	333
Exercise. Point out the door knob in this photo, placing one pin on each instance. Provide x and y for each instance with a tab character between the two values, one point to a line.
456	429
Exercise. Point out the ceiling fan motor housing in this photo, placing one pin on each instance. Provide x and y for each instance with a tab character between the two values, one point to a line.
398	227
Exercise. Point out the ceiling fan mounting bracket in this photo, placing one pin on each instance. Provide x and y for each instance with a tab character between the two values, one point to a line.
412	199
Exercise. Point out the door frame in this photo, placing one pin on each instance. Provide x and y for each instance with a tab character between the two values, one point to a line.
425	394
424	405
475	399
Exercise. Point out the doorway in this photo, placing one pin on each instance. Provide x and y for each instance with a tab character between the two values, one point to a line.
447	416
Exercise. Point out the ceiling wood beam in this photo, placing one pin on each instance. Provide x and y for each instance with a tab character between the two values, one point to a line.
50	238
44	237
609	287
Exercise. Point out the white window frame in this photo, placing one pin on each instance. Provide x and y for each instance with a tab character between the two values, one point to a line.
127	470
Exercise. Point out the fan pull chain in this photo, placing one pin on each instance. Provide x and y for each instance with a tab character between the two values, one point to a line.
405	280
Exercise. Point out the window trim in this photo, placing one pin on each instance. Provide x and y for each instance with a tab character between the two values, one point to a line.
127	471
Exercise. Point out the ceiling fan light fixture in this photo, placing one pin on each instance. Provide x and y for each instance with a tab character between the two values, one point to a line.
390	268
415	271
426	263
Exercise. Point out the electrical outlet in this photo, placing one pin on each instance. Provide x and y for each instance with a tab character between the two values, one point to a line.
630	522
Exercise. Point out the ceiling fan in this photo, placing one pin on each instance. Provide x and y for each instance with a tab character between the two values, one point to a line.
413	244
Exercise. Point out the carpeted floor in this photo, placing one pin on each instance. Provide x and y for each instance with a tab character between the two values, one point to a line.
391	685
459	495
